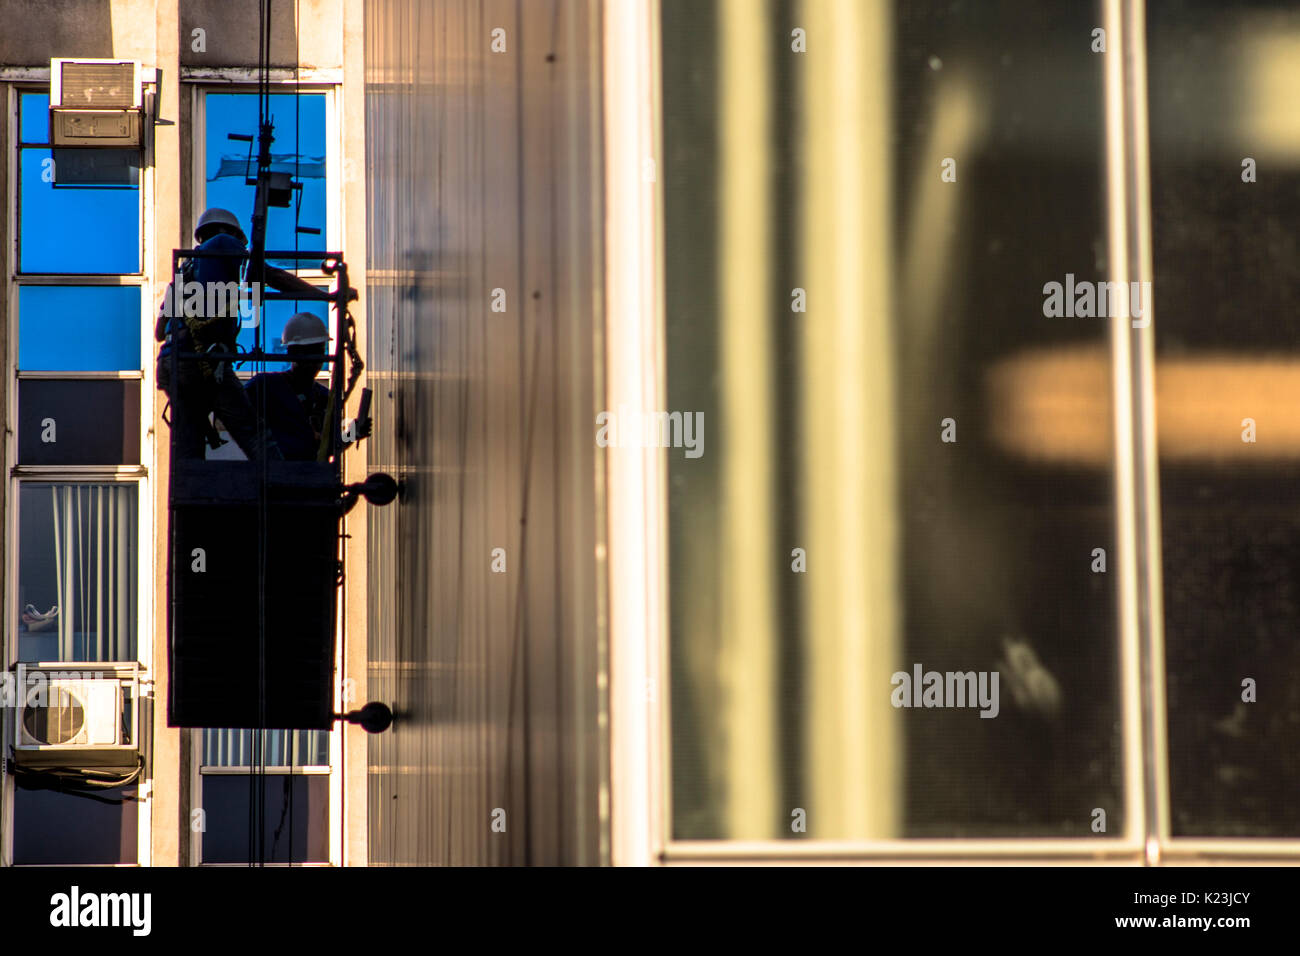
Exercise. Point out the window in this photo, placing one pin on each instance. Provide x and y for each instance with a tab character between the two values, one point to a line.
70	328
53	828
274	315
836	316
1224	242
69	229
293	797
294	793
919	462
71	422
77	333
299	149
77	571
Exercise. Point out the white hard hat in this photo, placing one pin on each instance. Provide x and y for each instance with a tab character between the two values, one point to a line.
217	216
305	328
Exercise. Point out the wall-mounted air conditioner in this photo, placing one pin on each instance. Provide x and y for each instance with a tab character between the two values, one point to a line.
76	715
95	103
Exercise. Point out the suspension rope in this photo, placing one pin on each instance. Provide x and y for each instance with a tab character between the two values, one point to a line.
295	735
262	441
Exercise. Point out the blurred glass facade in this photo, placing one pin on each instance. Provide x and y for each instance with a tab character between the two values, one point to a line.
832	301
482	286
1223	84
915	455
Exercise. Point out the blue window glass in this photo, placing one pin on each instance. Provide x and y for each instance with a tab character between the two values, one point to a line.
299	149
74	229
34	118
275	315
107	218
78	328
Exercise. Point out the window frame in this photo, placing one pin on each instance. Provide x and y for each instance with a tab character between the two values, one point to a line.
200	770
15	170
333	149
83	475
200	85
197	774
63	281
640	765
37	80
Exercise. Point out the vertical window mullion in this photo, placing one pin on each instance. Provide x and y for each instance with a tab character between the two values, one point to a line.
1146	465
1137	512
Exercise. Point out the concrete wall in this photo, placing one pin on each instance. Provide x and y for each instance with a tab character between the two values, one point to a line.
36	30
483	174
308	31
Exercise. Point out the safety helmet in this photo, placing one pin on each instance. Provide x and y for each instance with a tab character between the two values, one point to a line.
216	216
305	328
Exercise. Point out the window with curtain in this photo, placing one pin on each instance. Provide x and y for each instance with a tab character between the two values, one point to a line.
294	793
81	336
77	571
295	790
280	748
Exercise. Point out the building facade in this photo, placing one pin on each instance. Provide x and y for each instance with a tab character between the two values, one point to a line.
86	486
827	430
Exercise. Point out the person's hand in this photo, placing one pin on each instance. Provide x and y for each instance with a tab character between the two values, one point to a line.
355	429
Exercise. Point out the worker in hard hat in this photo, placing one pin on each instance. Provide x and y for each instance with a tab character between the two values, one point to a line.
293	404
209	385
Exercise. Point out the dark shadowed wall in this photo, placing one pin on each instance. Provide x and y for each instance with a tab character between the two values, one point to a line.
484	305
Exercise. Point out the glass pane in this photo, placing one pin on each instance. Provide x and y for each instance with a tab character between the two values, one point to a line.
80	167
227	163
53	828
887	613
280	748
275	315
74	229
1227	284
34	118
296	821
78	328
78	423
77	578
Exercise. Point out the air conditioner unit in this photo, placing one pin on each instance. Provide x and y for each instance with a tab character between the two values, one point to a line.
75	716
95	103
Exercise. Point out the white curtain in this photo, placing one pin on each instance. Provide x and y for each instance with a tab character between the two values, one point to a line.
280	748
95	547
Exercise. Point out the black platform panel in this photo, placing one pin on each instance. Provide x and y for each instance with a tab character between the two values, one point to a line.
214	611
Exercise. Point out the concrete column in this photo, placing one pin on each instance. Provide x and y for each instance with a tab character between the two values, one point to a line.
171	751
352	126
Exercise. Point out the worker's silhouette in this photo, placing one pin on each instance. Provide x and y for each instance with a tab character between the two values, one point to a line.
204	386
294	406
